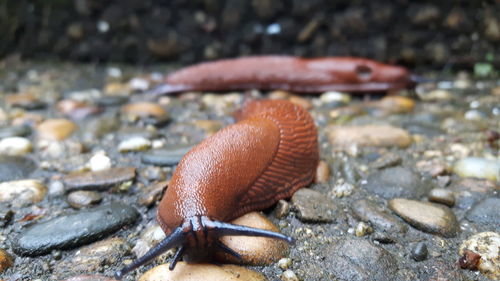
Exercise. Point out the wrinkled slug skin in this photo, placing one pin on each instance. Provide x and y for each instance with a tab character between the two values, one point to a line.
269	153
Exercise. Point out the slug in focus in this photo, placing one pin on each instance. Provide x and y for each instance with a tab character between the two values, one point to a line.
267	155
347	74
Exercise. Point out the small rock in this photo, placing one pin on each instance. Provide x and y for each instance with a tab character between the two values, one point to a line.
486	212
369	135
435	95
56	129
487	245
209	126
386	160
469	191
6	260
419	251
442	196
313	206
83	198
167	156
15	146
152	193
15	167
396	182
111	100
428	217
126	133
322	172
95	257
134	144
289	275
117	88
90	278
368	211
356	259
99	162
26	101
6	215
150	113
77	109
362	229
469	260
342	190
335	98
478	168
15	131
285	263
253	250
73	230
100	180
22	192
394	104
196	272
282	209
149	238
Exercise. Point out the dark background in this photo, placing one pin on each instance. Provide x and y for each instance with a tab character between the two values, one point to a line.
423	33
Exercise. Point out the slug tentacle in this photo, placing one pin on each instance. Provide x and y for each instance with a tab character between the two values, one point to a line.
177	257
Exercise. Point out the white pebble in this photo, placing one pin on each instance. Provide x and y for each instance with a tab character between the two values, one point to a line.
15	146
330	97
285	263
99	162
134	144
289	275
476	167
363	229
138	84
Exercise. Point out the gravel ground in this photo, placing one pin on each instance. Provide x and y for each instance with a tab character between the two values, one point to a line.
407	188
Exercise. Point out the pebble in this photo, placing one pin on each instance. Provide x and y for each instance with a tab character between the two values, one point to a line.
149	238
77	109
56	129
395	104
83	198
419	251
301	102
322	172
372	213
73	230
134	144
108	100
99	162
6	215
6	260
442	196
396	182
342	189
428	217
15	146
362	229
435	95
285	263
369	135
206	272
289	275
487	212
254	250
476	167
152	193
15	131
95	257
360	260
99	180
15	167
469	191
335	98
89	278
150	113
313	206
282	209
209	126
487	245
126	133
22	192
167	156
26	101
386	160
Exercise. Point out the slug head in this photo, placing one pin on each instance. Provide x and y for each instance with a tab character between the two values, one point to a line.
199	232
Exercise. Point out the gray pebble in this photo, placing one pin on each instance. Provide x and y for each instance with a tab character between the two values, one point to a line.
312	206
486	212
396	182
111	100
282	209
73	230
83	198
99	180
428	217
166	156
442	196
386	160
419	251
15	167
14	131
368	211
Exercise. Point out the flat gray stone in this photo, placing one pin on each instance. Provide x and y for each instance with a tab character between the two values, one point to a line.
15	167
166	156
486	212
73	230
396	182
427	217
369	212
313	206
99	180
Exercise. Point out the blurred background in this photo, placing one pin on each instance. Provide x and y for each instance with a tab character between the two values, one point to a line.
455	34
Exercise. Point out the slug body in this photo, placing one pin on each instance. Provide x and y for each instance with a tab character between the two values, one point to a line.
266	156
289	73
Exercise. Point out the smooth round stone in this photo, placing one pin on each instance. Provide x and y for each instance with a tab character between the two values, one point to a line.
395	104
436	95
149	238
109	100
83	198
289	275
15	146
145	110
428	217
369	135
322	172
100	179
205	272
396	182
419	251
254	250
334	97
442	196
285	263
152	193
168	156
99	162
6	260
15	131
134	144
26	101
487	245
313	206
56	129
128	132
73	230
15	167
487	212
474	167
368	211
22	192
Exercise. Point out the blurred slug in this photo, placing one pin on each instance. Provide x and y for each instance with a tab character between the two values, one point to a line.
270	153
346	74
